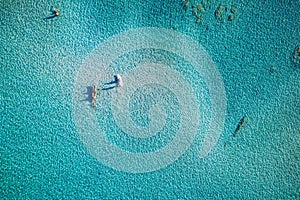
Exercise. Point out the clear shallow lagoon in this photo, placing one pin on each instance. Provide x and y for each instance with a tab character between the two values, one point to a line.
42	154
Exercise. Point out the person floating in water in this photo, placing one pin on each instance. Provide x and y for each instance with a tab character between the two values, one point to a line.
94	92
94	96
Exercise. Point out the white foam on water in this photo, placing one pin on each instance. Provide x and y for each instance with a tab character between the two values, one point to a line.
97	68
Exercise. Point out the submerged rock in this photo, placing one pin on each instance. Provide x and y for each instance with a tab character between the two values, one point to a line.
233	9
199	7
199	18
186	5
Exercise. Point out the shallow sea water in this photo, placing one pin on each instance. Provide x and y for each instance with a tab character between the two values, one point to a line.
46	152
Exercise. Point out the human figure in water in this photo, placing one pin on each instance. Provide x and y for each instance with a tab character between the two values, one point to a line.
94	96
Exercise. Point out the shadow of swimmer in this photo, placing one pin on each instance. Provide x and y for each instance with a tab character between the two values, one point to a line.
239	126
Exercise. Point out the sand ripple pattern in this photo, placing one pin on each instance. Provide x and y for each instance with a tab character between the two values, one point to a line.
98	68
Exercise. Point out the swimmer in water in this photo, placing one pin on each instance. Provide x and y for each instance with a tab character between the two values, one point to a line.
94	95
55	11
119	80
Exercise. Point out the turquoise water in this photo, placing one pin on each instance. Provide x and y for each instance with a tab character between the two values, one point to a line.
42	153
